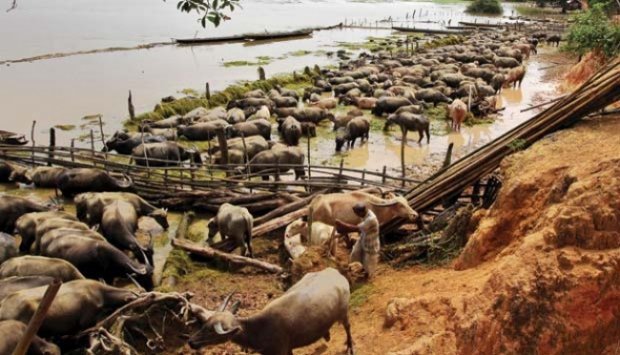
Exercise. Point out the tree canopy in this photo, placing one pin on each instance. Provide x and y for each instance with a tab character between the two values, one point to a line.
214	11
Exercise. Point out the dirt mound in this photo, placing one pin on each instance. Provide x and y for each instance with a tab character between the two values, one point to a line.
541	274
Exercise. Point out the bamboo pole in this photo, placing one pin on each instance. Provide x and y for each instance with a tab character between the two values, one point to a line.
132	110
402	153
37	318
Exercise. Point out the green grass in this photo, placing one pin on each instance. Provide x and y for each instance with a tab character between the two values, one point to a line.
486	7
163	110
190	92
360	295
299	53
65	127
527	10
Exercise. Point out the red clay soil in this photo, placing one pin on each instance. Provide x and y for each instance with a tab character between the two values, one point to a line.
540	274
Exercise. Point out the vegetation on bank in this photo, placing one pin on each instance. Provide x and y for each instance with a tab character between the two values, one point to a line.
594	31
486	7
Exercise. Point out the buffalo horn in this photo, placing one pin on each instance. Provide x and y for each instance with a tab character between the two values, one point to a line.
220	330
226	301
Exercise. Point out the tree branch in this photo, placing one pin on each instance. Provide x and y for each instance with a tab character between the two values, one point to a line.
13	6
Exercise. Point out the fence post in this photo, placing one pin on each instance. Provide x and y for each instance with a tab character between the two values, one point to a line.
448	160
209	167
52	145
92	146
383	177
37	318
340	171
207	91
261	73
72	149
308	150
402	153
132	110
34	123
105	149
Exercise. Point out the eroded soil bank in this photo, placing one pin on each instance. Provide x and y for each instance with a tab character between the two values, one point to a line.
539	274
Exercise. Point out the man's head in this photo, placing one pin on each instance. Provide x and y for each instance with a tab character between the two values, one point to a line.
360	209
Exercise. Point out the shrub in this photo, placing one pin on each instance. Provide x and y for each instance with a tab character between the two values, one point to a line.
489	7
593	31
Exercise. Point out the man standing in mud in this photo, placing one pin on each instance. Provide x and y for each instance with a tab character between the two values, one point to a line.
366	249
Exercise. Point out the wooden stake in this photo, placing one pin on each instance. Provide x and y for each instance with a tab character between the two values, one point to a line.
37	318
383	176
52	145
207	91
132	111
448	160
34	123
92	142
261	73
72	149
402	153
308	150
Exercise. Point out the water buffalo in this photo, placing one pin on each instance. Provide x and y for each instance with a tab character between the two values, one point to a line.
75	181
308	129
56	224
417	109
260	127
457	112
16	283
366	103
554	40
312	114
168	133
8	247
253	146
163	154
95	258
40	266
235	115
389	104
218	113
41	176
285	101
89	207
13	207
9	169
202	131
262	113
515	76
279	157
498	82
291	131
506	62
258	93
327	103
250	102
26	225
236	223
124	143
410	122
119	223
170	122
300	317
287	92
433	96
339	206
358	127
77	306
283	112
12	331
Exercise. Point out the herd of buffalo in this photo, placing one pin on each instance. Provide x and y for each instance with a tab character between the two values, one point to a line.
464	77
95	247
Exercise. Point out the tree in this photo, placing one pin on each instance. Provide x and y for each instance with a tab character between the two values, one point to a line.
593	31
213	11
489	7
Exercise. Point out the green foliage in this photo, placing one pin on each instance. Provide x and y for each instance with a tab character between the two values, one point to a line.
213	11
593	31
488	7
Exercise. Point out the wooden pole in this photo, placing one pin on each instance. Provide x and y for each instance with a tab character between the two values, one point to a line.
221	139
208	252
383	177
308	150
448	160
402	153
34	123
37	318
92	142
146	158
52	145
209	167
363	177
261	73
310	211
340	171
132	111
207	91
72	148
247	159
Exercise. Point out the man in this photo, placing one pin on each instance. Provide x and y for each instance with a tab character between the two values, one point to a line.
366	249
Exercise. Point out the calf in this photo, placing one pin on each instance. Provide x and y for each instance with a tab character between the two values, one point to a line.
457	112
233	222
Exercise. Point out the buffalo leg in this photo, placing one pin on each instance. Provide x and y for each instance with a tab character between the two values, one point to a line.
249	243
347	329
421	134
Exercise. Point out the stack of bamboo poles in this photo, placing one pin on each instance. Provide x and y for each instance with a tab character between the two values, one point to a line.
595	94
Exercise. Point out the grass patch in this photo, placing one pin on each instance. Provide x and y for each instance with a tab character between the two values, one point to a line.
444	41
178	264
190	92
65	127
299	53
527	10
163	110
517	145
360	295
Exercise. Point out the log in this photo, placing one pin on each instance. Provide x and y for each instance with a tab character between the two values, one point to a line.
37	318
278	222
209	252
291	207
